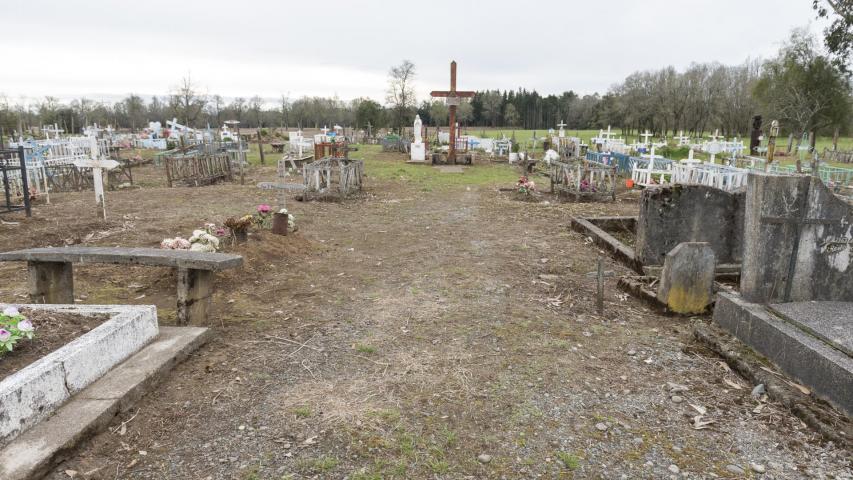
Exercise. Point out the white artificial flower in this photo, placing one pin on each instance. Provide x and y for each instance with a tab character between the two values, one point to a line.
11	311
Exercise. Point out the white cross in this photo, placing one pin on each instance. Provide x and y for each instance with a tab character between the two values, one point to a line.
646	137
716	135
682	139
325	130
562	124
96	164
602	135
55	129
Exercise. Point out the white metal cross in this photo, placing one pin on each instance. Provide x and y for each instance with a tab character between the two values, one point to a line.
52	129
646	137
97	164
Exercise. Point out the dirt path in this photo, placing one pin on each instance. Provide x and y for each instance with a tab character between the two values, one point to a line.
406	334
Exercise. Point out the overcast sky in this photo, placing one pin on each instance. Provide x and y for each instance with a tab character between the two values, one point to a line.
104	49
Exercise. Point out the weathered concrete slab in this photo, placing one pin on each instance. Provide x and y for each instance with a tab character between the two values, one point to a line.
128	256
670	215
687	280
604	240
39	449
36	391
810	360
830	321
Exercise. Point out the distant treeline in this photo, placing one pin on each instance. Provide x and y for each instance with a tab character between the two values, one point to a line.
800	87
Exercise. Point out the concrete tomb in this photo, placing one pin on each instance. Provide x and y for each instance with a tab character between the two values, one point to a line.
796	292
675	214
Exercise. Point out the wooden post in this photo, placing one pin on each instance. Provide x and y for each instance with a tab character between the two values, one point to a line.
834	141
771	142
599	291
195	288
790	142
51	282
261	147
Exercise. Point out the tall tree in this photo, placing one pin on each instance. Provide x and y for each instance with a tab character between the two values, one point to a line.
186	102
838	37
803	88
401	92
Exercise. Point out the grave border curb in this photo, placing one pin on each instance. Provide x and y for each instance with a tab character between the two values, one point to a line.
41	448
33	393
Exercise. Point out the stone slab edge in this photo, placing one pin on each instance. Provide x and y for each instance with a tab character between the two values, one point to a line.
37	390
607	241
827	371
34	453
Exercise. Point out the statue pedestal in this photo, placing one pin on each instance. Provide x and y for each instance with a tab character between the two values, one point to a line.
418	152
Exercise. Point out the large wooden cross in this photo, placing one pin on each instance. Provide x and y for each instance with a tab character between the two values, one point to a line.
453	99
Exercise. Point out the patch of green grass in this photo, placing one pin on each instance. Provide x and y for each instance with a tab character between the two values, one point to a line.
323	464
365	476
302	412
406	444
569	460
450	437
438	466
426	178
362	348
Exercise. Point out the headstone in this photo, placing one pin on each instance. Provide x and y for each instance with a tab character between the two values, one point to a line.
687	280
798	241
418	148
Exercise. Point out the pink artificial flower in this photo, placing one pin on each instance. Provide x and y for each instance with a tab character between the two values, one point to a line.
264	208
10	311
5	335
25	326
220	232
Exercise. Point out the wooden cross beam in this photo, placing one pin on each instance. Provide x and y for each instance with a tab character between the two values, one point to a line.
453	99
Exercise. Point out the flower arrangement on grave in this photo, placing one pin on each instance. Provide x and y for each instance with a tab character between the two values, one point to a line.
525	185
291	220
240	226
587	186
263	219
177	243
13	327
203	241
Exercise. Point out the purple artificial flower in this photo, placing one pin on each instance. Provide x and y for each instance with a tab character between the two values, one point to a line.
25	326
11	311
5	335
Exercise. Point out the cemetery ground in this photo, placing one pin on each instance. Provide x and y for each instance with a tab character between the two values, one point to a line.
434	327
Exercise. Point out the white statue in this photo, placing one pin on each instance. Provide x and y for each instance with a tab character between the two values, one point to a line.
417	129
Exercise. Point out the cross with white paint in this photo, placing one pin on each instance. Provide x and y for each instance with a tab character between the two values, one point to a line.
562	124
325	130
646	137
52	129
605	136
97	164
682	139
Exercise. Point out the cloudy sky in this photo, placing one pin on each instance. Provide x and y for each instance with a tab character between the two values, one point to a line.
104	49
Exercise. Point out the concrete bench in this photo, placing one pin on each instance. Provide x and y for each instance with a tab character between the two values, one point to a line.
52	281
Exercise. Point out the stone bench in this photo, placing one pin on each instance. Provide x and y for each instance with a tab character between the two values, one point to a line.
51	272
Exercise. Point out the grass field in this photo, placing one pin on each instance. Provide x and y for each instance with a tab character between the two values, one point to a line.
844	143
418	175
